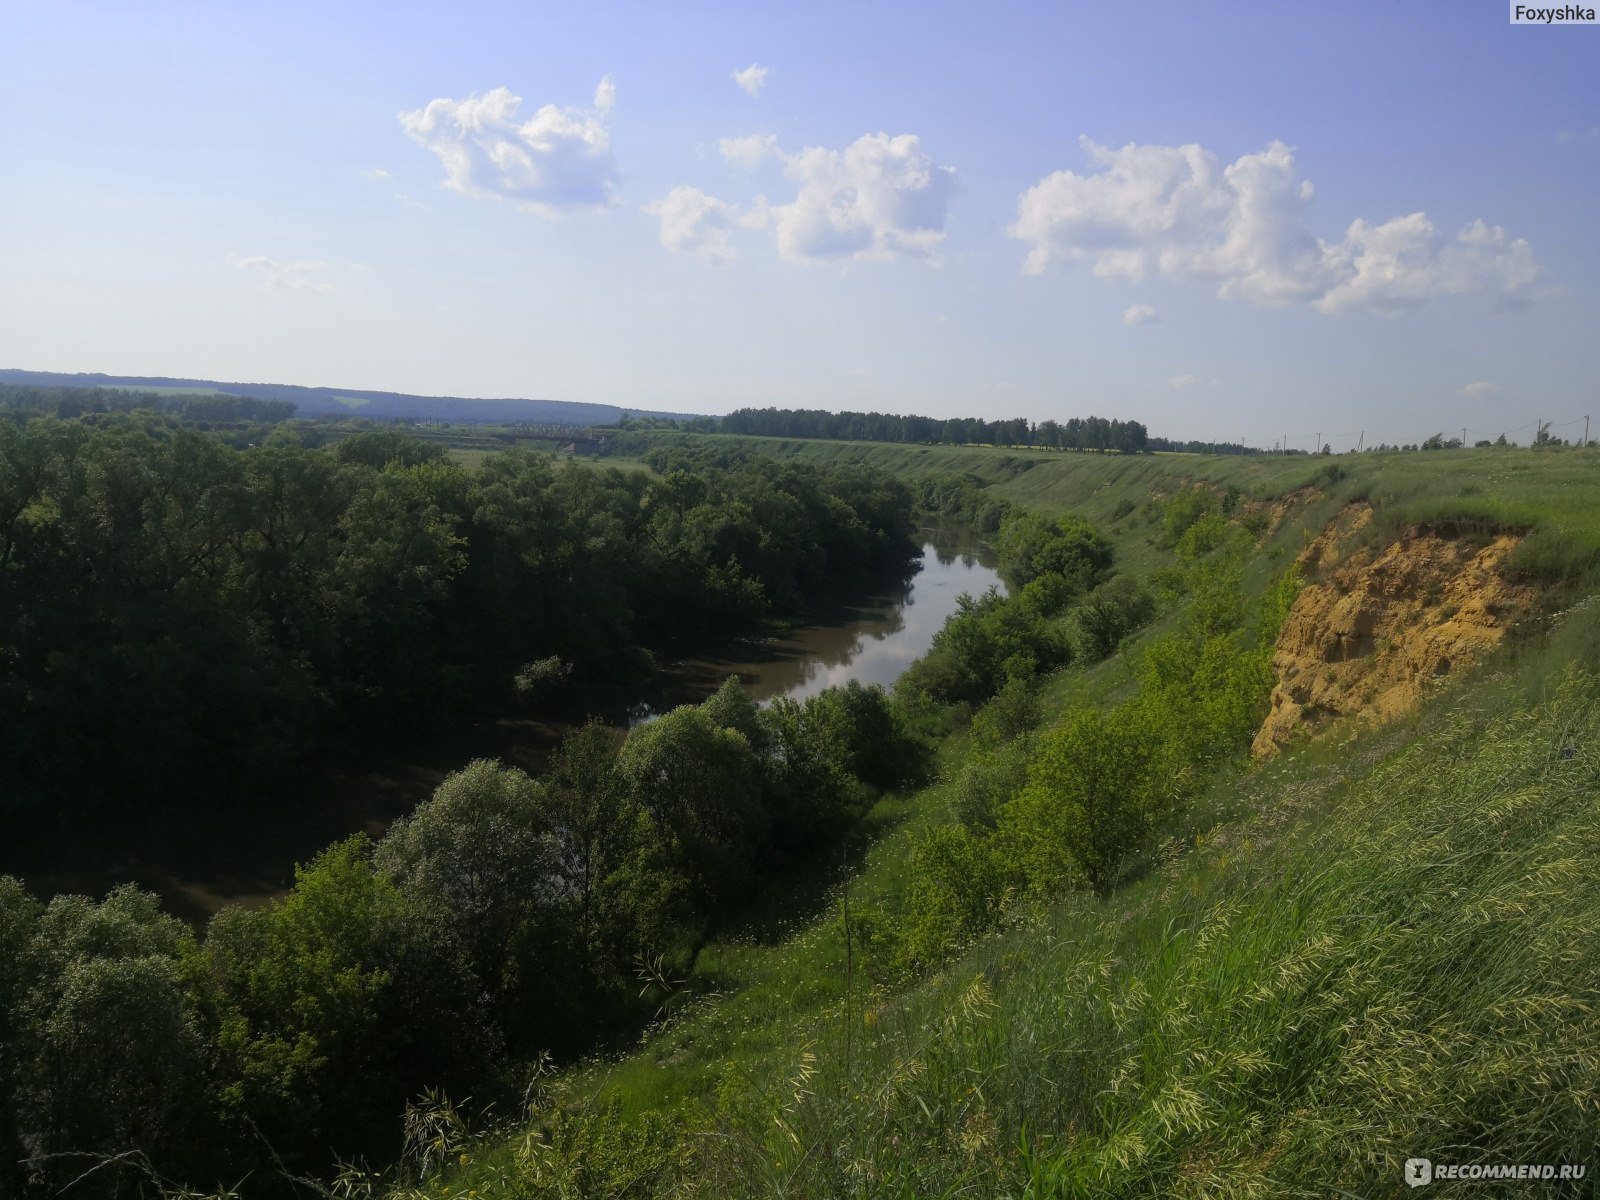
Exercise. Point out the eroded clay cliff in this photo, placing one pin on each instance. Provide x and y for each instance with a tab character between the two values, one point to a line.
1368	634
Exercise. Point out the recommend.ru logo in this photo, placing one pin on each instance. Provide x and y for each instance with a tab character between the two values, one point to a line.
1423	1171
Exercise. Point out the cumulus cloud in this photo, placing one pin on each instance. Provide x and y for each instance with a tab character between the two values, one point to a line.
558	160
1139	314
748	152
879	197
1484	390
693	222
1177	211
751	79
278	277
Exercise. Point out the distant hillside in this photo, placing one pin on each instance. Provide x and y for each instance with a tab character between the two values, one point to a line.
317	401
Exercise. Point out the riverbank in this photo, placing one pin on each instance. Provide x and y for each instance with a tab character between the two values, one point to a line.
201	861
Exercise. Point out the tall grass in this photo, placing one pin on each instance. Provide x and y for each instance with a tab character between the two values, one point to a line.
1392	958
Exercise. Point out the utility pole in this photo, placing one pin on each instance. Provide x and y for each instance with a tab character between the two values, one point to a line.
1463	437
1360	440
1585	431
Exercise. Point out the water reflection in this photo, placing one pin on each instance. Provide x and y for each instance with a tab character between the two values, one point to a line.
872	641
202	860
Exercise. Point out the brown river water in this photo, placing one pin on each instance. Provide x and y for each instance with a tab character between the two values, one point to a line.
198	864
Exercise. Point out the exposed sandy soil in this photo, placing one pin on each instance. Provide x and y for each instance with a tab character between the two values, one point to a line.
1367	636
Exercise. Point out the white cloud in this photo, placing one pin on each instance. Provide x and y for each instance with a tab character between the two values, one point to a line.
1175	211
748	152
694	223
1139	314
751	79
558	160
880	197
1185	383
282	277
1484	390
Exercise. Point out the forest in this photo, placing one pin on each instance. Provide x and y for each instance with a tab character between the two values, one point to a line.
186	621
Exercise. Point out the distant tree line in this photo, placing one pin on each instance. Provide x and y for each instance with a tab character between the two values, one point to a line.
201	408
176	612
1194	446
1077	433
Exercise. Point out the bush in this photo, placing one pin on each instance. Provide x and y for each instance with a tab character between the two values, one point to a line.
1090	802
1012	712
1030	546
1186	507
1116	609
958	883
983	644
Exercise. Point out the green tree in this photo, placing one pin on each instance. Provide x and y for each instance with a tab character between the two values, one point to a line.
1113	611
1091	799
700	782
479	855
107	1052
1030	546
303	1014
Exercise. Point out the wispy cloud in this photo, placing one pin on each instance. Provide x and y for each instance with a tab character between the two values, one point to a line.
281	278
1484	390
558	160
749	151
1187	383
693	222
752	79
1176	211
1139	314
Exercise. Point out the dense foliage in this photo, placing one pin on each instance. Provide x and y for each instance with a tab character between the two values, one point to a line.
175	611
507	917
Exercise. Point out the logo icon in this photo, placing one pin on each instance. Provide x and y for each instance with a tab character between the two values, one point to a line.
1419	1172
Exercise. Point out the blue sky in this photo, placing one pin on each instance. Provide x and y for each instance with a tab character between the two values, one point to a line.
1230	221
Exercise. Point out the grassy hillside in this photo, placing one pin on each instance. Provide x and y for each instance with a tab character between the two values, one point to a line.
1555	492
1328	964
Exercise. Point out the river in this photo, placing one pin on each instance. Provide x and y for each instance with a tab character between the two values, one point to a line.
198	863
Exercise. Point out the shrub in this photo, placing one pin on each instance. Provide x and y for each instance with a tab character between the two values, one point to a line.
1116	609
1090	801
1030	546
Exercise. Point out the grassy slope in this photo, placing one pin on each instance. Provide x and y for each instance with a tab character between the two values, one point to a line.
1556	493
1244	1016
